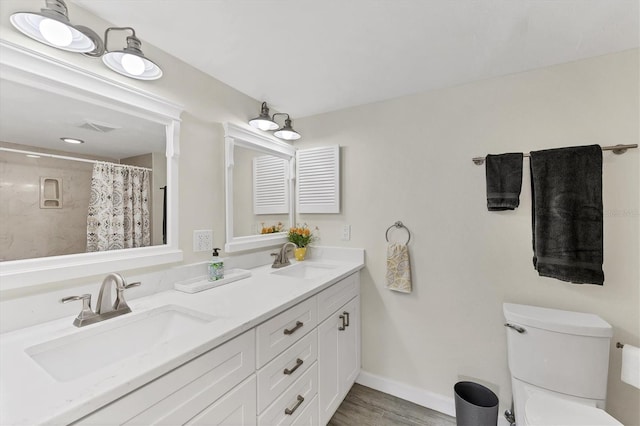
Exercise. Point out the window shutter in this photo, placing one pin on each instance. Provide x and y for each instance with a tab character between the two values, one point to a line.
270	188
318	180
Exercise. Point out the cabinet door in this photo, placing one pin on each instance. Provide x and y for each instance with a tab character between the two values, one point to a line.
328	380
349	346
237	408
338	357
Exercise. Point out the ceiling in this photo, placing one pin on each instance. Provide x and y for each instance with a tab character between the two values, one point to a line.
38	118
308	57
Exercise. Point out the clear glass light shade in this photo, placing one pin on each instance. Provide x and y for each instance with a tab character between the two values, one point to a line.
52	32
263	123
131	65
287	134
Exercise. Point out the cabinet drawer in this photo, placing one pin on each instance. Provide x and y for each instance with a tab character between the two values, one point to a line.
331	299
309	417
237	408
293	401
180	394
277	375
281	331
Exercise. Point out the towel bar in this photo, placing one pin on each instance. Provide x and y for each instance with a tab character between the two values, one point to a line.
617	149
619	345
398	224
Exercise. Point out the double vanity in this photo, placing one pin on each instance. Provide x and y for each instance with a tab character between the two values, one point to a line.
279	347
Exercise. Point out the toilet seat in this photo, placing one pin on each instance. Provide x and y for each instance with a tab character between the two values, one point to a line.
547	410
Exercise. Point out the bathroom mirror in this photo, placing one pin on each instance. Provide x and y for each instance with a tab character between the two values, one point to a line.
259	189
119	125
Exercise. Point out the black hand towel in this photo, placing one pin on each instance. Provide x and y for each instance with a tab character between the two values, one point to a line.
566	188
504	181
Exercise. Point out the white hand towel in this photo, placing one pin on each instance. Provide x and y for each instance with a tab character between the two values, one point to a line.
398	268
630	365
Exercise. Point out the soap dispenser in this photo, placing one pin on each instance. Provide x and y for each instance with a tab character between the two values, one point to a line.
216	267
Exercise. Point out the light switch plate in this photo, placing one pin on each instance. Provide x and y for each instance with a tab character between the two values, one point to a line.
203	240
346	232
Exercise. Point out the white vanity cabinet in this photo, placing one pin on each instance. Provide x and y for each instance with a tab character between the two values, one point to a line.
292	369
338	344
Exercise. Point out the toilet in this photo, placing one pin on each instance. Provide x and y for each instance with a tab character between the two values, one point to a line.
559	363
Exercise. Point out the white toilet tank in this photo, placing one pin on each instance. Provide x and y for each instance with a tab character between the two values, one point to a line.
561	351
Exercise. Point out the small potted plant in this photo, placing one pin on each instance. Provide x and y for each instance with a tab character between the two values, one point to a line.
301	237
273	229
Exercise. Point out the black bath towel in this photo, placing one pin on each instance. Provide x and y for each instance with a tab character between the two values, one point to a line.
566	188
504	181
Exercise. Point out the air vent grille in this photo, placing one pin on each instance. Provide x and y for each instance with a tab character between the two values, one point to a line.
100	127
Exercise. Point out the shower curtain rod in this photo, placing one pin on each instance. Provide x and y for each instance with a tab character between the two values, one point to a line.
617	149
62	157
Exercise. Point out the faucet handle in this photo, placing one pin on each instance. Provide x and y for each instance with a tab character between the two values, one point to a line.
120	303
86	312
85	298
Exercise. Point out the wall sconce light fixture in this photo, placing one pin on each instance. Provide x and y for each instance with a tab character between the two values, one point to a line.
52	27
286	132
130	61
266	123
263	121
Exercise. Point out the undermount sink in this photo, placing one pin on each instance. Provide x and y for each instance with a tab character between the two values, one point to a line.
305	270
75	355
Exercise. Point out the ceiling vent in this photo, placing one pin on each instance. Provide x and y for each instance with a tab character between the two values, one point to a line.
97	126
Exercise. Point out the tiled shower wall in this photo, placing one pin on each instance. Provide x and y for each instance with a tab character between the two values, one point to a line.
26	230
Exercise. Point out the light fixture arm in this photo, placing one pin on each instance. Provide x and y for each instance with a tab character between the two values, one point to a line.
56	9
281	113
264	109
133	35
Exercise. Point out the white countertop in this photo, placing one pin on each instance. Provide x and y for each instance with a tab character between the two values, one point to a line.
29	395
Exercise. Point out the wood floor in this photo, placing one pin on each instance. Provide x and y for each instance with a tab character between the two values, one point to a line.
364	406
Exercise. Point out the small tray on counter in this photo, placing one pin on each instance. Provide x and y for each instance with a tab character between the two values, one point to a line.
201	283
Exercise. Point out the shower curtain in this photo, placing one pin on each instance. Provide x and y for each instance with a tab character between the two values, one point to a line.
118	208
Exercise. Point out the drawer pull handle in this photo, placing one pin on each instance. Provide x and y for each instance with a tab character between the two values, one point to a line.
344	324
290	411
299	362
346	314
293	330
515	327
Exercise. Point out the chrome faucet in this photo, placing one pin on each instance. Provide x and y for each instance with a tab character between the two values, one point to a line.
105	308
281	257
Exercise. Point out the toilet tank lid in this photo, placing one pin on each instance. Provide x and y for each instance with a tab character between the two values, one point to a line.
568	322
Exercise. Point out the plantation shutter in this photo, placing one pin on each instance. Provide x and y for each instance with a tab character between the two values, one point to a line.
270	186
318	180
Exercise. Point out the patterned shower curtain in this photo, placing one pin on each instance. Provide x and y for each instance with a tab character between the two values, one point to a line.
118	208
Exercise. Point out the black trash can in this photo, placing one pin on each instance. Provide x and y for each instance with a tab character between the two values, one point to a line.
475	405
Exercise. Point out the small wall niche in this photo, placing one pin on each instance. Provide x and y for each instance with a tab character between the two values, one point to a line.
50	193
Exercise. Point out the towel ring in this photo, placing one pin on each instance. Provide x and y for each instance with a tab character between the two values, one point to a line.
398	224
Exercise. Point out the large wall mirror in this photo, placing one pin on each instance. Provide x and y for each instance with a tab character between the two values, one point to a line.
259	189
52	192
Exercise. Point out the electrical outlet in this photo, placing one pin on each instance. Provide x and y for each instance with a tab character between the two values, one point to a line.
203	240
346	232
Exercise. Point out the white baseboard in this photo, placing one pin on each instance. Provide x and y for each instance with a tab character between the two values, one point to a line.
442	404
434	401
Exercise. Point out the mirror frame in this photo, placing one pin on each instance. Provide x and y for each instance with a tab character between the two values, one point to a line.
35	69
242	137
